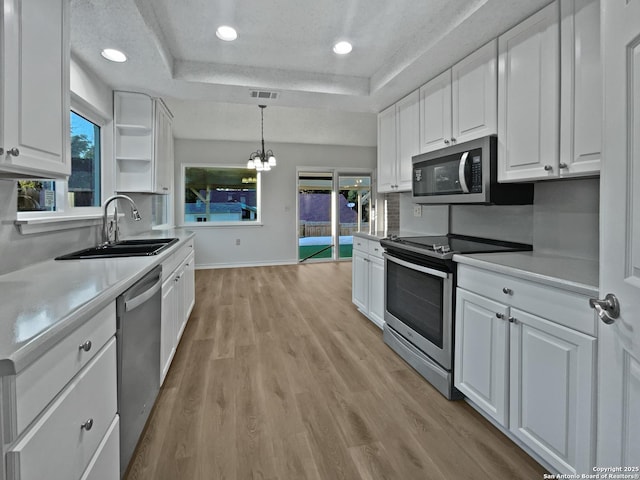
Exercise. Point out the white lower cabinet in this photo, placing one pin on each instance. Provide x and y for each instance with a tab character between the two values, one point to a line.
65	437
482	353
367	289
530	370
178	299
60	412
551	387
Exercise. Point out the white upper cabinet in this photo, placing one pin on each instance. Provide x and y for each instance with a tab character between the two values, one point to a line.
387	149
580	87
528	98
435	113
163	149
460	104
398	141
474	94
550	94
143	144
34	83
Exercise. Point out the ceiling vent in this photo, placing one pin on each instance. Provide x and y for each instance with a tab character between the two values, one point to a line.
263	94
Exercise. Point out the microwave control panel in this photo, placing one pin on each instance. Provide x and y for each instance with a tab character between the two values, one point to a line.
476	174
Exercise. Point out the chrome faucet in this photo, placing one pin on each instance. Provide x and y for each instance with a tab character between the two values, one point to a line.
135	214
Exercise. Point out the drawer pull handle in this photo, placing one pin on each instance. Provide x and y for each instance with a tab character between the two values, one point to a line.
500	316
507	291
88	425
86	346
512	320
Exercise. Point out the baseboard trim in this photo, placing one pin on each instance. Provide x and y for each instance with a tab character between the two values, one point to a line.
213	266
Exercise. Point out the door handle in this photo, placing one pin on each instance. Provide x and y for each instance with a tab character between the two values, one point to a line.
608	309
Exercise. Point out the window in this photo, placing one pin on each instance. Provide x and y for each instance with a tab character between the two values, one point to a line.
84	182
220	195
83	189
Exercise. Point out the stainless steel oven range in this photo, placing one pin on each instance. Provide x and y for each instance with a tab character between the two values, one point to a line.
420	281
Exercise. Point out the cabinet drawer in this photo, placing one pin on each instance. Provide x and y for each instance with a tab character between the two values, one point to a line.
105	464
560	306
361	244
176	259
56	447
38	384
375	248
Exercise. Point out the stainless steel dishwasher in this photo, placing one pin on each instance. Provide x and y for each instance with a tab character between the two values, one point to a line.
138	346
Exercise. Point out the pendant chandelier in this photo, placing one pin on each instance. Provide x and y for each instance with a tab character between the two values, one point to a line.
262	160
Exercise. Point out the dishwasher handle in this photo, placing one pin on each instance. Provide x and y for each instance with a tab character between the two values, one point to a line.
133	303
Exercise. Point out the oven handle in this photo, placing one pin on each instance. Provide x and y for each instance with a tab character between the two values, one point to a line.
419	268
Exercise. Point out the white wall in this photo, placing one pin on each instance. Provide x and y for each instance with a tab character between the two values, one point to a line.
204	120
566	218
275	241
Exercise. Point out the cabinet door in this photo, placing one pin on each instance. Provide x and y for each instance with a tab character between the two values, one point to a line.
387	150
360	281
528	98
180	303
163	149
581	87
189	287
435	113
474	94
552	391
167	326
376	291
481	353
408	128
35	88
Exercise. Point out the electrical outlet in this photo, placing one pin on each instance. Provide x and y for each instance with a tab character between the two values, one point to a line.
237	241
417	210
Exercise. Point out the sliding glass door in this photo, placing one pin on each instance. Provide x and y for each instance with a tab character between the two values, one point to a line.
354	195
331	207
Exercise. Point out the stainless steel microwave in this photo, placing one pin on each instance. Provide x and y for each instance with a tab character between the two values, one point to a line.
465	173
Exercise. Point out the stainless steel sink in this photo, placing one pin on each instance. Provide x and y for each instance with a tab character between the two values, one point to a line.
125	248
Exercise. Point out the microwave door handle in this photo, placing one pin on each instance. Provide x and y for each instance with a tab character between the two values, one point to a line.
461	169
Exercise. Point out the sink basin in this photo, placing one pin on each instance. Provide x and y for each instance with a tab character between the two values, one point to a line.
125	248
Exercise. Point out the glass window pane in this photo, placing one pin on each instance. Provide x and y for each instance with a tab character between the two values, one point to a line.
36	196
221	195
84	182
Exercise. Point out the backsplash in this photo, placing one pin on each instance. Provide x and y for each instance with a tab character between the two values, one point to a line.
392	212
566	218
19	251
563	220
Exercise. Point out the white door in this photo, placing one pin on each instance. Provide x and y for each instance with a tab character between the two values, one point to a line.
528	98
474	94
408	128
35	86
482	353
435	113
619	343
387	149
551	391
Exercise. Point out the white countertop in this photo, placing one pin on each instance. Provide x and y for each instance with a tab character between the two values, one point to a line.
574	274
43	303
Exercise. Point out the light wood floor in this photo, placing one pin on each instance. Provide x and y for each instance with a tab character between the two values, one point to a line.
278	376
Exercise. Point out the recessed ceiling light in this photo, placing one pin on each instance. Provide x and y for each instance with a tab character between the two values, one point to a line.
342	48
114	55
226	33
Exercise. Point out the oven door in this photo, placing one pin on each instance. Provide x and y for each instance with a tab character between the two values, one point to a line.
418	305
